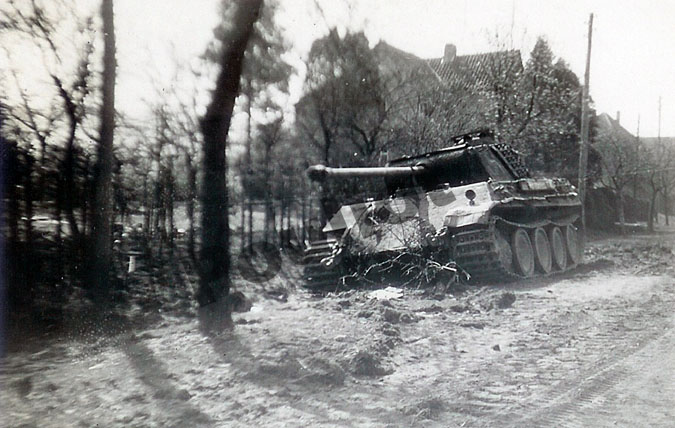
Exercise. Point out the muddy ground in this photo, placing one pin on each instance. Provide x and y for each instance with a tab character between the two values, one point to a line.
595	347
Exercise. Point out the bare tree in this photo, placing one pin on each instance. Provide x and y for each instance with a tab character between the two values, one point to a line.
214	255
264	69
39	122
39	125
655	162
9	171
657	158
667	176
175	149
270	135
41	24
619	162
101	259
185	121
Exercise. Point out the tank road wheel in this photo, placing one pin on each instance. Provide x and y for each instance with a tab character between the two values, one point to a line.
572	241
504	251
558	248
523	254
542	251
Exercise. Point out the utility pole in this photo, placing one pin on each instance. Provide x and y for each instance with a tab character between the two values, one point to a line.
585	127
659	131
513	21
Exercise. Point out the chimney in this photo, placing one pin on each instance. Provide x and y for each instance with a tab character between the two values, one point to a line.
450	53
618	117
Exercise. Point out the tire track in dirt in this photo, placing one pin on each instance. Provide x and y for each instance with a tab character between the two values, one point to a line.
575	407
569	402
554	344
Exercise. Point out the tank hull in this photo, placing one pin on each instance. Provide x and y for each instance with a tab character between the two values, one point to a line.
472	234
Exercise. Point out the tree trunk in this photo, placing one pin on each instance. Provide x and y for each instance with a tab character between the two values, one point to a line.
57	216
69	181
269	209
11	182
160	213
170	192
250	223
157	202
273	215
266	220
303	232
283	212
147	209
13	212
60	261
215	251
666	201
622	213
242	233
43	164
289	212
635	186
29	198
86	189
273	221
248	166
191	196
161	206
100	265
652	212
287	230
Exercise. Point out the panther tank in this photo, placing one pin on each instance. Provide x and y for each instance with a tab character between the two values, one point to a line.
472	207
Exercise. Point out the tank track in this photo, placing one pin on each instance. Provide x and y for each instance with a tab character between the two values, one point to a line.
315	274
476	251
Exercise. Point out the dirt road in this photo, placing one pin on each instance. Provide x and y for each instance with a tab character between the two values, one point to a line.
593	348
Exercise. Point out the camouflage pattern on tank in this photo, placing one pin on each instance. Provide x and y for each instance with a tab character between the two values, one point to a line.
473	204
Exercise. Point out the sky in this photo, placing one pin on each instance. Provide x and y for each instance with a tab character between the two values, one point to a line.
632	60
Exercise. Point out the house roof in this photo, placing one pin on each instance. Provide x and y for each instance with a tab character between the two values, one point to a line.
385	49
463	69
608	125
476	68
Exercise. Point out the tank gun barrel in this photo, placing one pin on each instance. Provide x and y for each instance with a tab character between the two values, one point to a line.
321	172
